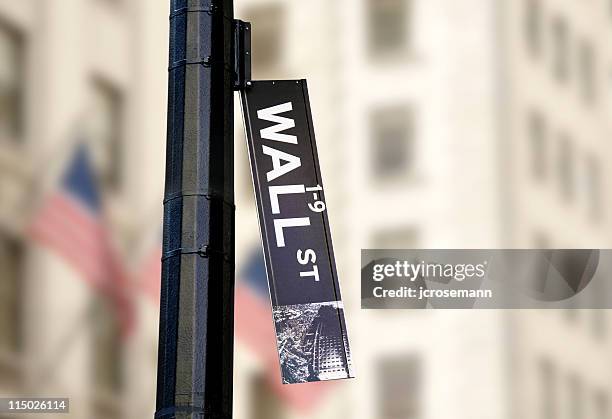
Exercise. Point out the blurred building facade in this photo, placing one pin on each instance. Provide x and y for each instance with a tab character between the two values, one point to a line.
440	124
76	71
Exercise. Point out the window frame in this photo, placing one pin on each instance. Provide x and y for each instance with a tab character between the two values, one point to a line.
414	390
561	51
377	44
112	179
19	37
392	119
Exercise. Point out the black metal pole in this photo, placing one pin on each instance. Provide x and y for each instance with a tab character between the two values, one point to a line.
195	365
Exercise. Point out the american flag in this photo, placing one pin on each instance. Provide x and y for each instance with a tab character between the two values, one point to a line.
70	222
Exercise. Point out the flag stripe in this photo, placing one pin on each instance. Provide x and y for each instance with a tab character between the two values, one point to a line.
88	265
149	275
62	229
78	225
78	238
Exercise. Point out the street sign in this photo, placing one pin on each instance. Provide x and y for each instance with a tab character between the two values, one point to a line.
306	304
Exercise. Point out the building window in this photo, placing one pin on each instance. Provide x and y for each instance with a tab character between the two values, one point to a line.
533	26
600	323
539	150
548	390
566	168
400	388
264	403
597	292
587	72
396	238
576	410
561	53
11	85
113	3
12	259
388	26
105	134
541	240
267	33
106	345
602	406
393	141
572	313
593	188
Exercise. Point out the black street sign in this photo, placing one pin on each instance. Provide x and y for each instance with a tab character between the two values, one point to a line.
306	303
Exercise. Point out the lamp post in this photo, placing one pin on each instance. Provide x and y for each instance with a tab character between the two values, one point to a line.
195	364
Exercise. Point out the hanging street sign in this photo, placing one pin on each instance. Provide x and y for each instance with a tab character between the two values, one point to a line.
306	304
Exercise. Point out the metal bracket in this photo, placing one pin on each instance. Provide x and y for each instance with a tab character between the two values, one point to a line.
242	54
204	251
